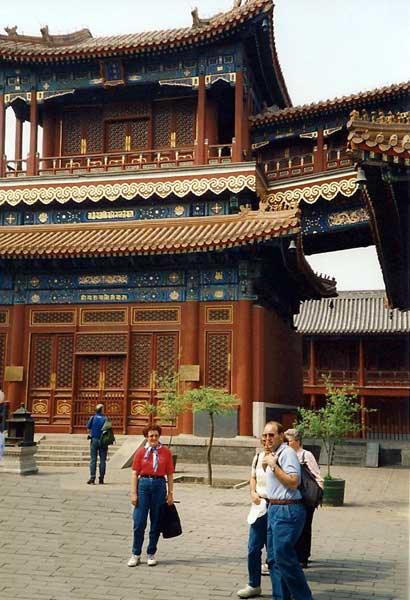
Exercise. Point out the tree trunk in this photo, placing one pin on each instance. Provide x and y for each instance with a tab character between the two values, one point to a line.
211	440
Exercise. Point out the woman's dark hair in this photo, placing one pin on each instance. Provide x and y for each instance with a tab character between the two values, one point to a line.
149	428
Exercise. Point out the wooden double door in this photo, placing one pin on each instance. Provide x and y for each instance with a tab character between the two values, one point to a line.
64	388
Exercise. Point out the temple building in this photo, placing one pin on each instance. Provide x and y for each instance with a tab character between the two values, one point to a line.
164	221
357	340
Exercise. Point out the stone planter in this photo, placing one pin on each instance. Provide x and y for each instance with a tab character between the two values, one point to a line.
334	492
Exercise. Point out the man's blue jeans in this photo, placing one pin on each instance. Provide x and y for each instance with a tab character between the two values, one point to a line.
95	450
257	540
151	496
285	524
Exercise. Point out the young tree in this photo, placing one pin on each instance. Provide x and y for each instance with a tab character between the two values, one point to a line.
214	402
337	419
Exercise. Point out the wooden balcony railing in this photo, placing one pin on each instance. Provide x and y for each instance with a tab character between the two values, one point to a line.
104	162
289	167
220	154
387	378
338	158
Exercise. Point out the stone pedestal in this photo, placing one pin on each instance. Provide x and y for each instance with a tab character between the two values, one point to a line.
20	460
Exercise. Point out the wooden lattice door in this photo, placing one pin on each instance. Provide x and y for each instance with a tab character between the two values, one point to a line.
50	389
3	339
152	356
126	135
101	379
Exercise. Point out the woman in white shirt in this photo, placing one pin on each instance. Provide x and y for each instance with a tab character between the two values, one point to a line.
304	543
258	529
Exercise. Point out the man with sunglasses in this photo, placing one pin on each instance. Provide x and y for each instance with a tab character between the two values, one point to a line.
286	517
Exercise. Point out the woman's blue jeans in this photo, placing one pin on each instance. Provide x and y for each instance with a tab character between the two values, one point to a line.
97	450
151	496
257	540
285	524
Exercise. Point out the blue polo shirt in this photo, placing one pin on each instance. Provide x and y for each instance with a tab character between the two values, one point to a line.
95	425
288	462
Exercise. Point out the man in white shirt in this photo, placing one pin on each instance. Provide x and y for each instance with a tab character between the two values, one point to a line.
286	517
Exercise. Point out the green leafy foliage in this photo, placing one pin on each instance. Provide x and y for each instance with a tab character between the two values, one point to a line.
214	402
337	419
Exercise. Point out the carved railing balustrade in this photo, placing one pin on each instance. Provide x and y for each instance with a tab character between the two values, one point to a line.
371	377
387	378
338	158
294	166
104	162
219	154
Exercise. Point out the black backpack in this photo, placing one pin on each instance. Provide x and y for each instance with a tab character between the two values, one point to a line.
312	493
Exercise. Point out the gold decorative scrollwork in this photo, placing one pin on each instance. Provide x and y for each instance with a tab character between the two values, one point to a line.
128	191
348	217
288	199
40	407
63	408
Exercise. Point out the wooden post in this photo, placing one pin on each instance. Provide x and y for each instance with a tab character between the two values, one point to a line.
32	166
313	401
243	370
200	158
312	362
361	377
319	153
15	389
239	115
18	144
2	134
189	351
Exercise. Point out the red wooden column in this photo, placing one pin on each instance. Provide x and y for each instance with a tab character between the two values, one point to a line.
244	384
239	115
312	362
2	134
18	144
201	117
189	351
361	378
32	167
15	389
363	416
319	153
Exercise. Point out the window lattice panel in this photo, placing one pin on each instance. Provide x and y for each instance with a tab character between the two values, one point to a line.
162	126
217	360
139	134
72	134
90	372
46	317
114	373
3	317
95	137
219	314
116	136
102	343
184	124
65	355
166	353
120	110
146	315
140	362
42	351
90	317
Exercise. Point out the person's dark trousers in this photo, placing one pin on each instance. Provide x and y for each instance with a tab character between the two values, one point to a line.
257	540
304	544
97	450
151	496
285	524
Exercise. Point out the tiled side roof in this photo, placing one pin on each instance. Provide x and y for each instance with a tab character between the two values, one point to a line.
16	47
344	103
351	313
165	236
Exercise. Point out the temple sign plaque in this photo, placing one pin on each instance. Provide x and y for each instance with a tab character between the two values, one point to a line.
189	373
13	373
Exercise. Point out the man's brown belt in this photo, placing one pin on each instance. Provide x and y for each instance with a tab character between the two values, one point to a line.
285	501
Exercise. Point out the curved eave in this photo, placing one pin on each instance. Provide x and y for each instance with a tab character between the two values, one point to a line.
335	105
165	236
147	42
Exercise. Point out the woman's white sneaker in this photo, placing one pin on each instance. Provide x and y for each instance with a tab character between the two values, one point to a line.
249	592
134	560
151	560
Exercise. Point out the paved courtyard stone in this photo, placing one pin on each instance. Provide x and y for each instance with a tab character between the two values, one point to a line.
63	540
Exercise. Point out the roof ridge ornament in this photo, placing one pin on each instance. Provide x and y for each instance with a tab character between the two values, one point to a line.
46	39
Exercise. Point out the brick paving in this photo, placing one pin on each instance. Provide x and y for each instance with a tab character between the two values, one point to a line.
63	540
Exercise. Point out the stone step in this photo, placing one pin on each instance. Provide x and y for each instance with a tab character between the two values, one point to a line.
60	463
67	455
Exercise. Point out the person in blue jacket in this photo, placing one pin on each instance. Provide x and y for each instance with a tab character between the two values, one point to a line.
94	428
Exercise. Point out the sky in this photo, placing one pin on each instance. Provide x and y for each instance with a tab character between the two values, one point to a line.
326	48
